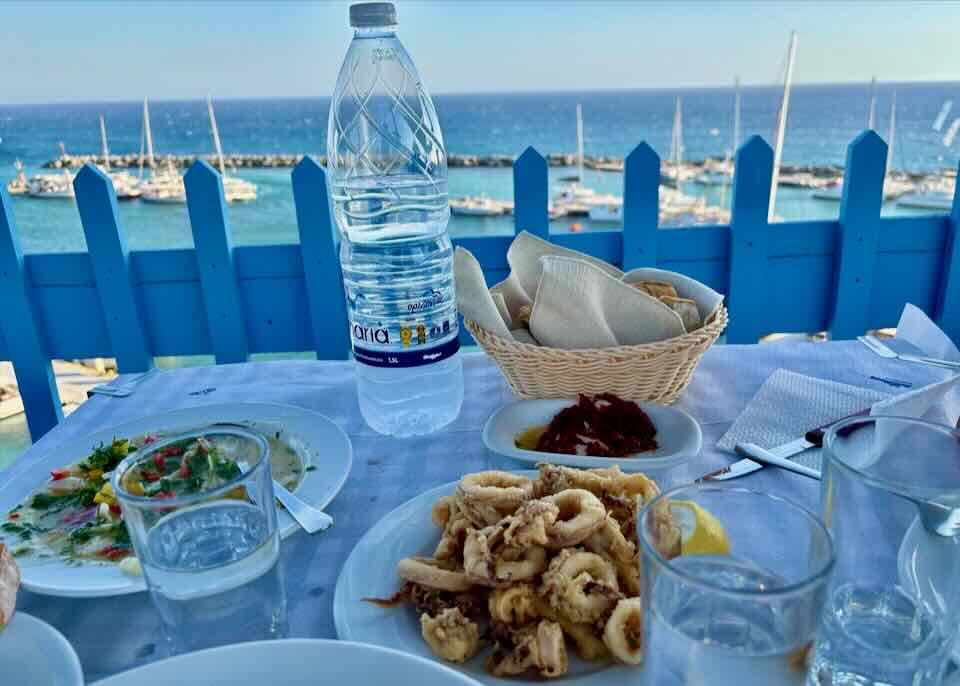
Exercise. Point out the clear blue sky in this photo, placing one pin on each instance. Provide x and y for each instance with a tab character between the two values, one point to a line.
92	51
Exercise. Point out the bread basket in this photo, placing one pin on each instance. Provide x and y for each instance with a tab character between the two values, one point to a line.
657	372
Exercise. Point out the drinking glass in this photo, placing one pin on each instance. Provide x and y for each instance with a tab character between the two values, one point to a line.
889	484
743	612
211	558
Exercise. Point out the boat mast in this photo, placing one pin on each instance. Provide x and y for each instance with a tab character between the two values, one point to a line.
579	143
219	147
148	134
676	143
103	143
892	132
782	124
872	111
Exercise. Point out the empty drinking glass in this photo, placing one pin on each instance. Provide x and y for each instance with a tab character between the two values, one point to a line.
200	511
740	604
890	486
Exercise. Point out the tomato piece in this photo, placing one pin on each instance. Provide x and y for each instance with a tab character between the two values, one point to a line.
184	471
58	474
114	508
159	461
112	553
149	439
150	476
14	515
165	494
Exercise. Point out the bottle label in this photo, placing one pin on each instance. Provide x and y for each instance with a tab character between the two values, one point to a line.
412	345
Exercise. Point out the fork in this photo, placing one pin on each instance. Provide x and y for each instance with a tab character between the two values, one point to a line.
883	350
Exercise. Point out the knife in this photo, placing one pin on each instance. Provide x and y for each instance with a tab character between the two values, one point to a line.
811	439
883	350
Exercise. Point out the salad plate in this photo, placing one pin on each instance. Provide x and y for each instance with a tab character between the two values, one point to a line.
678	437
293	662
308	451
33	653
370	571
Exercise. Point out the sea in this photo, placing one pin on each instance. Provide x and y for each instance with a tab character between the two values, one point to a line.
822	121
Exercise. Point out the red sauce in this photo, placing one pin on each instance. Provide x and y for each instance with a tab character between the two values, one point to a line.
602	425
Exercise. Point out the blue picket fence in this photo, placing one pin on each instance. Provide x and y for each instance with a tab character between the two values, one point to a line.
843	276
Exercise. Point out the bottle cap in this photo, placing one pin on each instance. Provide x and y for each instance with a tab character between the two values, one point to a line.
369	14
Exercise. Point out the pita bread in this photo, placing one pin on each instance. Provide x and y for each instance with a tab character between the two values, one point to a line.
9	583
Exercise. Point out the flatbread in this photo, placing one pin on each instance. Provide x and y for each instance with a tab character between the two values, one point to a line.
657	289
686	308
9	583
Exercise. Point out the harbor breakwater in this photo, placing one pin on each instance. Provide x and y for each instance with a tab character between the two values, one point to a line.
287	160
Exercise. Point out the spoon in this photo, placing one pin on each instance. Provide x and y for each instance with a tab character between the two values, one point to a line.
937	518
310	518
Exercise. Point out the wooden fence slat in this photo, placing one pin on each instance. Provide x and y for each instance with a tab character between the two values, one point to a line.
321	264
531	196
859	235
22	333
948	307
110	259
641	207
214	246
749	233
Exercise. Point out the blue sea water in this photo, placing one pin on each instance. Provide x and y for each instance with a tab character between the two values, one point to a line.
823	120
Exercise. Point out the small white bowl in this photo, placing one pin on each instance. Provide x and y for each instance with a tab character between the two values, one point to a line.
33	653
678	437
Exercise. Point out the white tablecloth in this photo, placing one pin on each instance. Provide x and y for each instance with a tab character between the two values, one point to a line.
114	634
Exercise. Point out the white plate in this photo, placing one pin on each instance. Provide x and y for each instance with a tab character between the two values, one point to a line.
295	662
678	436
317	440
924	563
33	653
370	571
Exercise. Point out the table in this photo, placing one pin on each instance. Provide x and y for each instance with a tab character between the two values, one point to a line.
115	634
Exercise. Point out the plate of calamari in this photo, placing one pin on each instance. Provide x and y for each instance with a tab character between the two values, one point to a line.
599	430
61	520
510	575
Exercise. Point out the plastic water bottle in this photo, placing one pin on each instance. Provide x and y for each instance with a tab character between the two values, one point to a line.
388	167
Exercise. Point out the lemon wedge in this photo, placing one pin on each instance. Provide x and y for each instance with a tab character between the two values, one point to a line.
700	532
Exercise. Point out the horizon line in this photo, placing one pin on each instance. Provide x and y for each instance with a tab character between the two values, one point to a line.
548	91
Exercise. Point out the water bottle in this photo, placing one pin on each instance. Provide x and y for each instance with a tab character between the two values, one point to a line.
388	170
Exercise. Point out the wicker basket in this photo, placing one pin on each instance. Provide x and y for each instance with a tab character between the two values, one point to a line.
657	372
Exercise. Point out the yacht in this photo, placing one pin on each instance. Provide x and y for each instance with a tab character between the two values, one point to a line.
476	207
675	173
575	199
126	186
234	189
163	187
19	185
51	186
934	194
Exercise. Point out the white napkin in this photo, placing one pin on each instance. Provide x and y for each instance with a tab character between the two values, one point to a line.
579	305
473	298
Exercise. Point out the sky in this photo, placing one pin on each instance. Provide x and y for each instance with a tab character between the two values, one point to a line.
116	50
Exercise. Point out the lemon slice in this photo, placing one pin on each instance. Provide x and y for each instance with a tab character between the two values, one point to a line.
700	532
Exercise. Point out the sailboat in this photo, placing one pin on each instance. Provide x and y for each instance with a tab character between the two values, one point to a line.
722	174
125	185
52	186
234	189
163	187
675	172
575	199
782	125
19	185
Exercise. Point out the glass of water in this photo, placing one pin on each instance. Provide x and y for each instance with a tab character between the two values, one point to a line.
201	516
890	486
740	603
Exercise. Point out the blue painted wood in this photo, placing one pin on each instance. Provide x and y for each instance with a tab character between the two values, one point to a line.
214	249
859	235
948	295
321	265
530	194
748	300
115	280
641	207
22	332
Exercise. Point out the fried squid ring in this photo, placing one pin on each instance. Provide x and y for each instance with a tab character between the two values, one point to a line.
609	542
479	561
521	650
502	490
433	574
519	564
581	586
580	514
623	632
514	606
443	510
588	646
451	542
